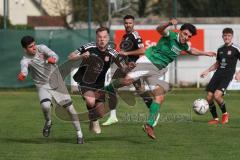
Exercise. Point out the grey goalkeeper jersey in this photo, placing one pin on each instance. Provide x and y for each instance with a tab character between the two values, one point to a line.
37	65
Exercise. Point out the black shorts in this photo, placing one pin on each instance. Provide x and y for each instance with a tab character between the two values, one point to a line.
99	92
218	82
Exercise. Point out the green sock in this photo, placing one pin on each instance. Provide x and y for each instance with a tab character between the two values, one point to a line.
154	108
115	84
109	88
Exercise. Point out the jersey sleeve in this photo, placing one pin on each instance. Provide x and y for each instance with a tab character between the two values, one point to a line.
113	53
238	50
116	57
137	40
24	66
188	46
47	51
85	48
80	50
169	32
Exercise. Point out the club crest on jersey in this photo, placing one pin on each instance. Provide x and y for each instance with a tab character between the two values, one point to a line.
229	53
106	59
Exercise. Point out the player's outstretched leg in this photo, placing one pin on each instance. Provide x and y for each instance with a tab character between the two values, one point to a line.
213	111
46	109
95	113
218	96
153	113
156	120
75	121
145	95
112	100
225	114
95	127
47	129
212	108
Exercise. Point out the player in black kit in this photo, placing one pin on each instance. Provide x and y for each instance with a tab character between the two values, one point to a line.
130	47
225	66
96	60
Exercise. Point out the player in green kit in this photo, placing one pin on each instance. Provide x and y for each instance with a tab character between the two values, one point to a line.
153	65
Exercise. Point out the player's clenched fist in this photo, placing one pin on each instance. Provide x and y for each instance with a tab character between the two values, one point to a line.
21	76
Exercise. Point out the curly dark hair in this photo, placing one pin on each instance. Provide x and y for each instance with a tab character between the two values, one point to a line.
26	40
189	27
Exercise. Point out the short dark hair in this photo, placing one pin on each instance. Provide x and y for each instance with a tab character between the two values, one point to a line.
189	27
26	40
227	30
128	17
100	29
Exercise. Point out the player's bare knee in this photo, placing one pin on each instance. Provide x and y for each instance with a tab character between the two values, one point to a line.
90	98
159	99
90	101
90	104
218	95
159	93
210	97
159	90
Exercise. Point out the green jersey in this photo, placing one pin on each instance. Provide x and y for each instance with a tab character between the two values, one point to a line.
166	50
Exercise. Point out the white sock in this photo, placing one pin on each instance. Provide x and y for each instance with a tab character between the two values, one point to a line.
75	121
79	134
113	114
95	122
46	109
49	122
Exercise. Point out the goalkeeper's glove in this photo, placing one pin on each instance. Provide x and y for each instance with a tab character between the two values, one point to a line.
51	60
21	76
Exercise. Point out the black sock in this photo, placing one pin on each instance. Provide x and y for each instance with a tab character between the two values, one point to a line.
146	98
213	110
112	100
223	107
92	113
148	101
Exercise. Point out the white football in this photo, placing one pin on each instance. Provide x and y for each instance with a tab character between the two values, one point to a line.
200	106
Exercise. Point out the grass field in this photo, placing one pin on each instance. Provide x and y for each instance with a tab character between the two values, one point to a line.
181	134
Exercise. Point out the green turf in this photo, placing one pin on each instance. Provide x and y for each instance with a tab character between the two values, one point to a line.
181	134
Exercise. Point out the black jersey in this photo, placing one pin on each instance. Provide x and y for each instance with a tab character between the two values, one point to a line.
131	42
92	70
227	57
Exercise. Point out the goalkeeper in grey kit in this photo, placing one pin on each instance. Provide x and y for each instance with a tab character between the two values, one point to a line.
40	62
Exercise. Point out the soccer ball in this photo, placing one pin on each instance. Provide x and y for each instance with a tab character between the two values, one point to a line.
200	106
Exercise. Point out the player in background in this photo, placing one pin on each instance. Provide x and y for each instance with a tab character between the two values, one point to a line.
41	61
131	47
153	65
225	65
97	58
